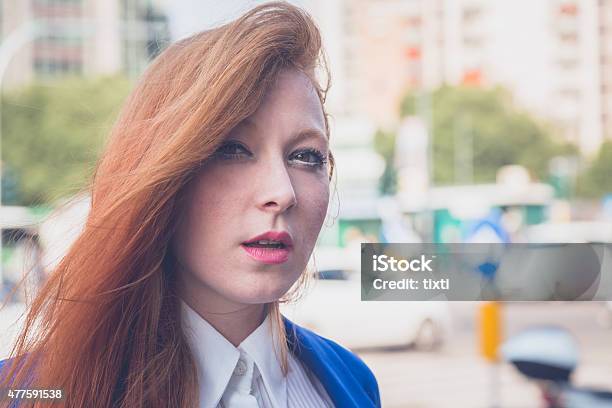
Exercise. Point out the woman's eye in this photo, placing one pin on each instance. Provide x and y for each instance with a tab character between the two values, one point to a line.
232	150
309	157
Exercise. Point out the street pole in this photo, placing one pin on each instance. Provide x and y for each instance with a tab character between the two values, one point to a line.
425	112
490	337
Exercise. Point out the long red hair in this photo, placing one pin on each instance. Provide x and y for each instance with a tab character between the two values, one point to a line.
106	326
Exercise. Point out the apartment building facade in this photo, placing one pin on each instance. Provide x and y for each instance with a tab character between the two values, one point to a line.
553	55
80	37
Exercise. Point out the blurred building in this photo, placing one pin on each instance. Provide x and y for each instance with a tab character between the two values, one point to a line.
377	50
145	35
81	37
551	54
605	47
545	52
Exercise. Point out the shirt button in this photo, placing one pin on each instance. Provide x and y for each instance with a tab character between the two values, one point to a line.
241	367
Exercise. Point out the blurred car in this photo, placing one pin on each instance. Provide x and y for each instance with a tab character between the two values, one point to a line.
332	307
21	272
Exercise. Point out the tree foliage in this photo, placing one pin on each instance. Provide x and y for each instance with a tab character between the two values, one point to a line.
384	144
52	135
485	124
596	180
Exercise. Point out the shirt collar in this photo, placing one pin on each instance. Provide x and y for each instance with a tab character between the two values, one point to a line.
216	358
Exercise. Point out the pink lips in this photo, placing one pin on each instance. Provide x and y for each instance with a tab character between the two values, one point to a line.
270	255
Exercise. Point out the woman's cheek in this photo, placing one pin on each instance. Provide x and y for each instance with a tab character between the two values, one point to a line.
222	185
316	198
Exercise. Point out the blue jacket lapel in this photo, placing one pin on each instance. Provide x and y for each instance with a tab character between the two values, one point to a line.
346	379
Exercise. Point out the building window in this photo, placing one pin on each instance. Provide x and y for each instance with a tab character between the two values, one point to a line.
569	37
413	21
568	9
568	63
49	68
570	94
413	53
473	41
471	14
53	2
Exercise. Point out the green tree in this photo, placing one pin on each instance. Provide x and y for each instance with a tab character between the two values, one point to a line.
485	124
53	132
596	180
384	144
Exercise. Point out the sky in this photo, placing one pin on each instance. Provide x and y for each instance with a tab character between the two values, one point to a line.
187	17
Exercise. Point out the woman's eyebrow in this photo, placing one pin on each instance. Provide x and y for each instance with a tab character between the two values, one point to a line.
306	133
309	133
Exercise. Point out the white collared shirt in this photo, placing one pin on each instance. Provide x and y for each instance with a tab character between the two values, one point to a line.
220	364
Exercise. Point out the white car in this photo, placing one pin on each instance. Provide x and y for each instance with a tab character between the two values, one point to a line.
332	307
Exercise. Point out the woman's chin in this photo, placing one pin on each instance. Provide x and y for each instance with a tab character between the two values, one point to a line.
263	295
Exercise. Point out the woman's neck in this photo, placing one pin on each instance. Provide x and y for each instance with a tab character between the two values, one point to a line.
234	321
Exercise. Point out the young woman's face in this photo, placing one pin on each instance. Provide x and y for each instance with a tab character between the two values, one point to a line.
255	209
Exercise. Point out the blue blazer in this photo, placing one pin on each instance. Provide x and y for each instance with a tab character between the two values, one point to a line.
346	378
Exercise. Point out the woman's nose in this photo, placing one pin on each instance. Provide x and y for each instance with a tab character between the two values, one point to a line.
275	188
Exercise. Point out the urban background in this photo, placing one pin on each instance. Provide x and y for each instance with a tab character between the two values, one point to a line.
452	121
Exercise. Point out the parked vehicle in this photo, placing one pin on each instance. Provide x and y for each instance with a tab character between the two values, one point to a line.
548	355
333	308
20	266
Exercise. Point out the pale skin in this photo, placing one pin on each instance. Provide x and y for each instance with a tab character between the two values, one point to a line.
271	174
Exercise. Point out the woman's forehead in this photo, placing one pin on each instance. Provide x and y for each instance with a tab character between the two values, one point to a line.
292	105
292	88
299	132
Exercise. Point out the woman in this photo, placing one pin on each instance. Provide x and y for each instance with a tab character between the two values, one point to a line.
205	209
